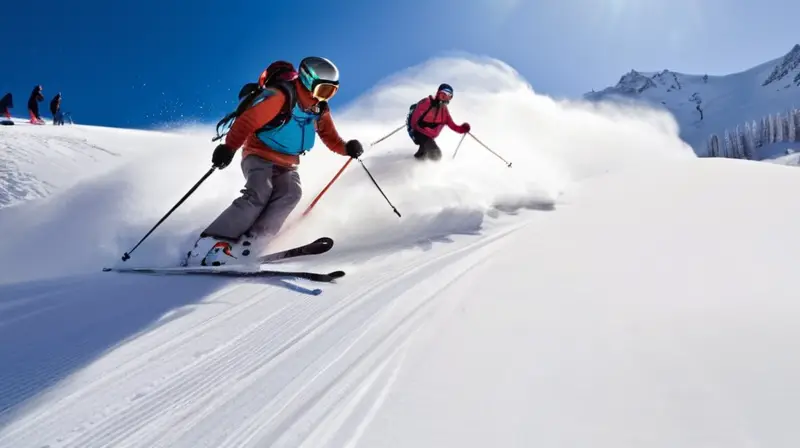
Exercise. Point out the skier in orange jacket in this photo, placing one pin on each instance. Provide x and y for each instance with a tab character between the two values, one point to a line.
278	125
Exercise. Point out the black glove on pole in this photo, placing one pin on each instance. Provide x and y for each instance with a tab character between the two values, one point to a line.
222	156
354	148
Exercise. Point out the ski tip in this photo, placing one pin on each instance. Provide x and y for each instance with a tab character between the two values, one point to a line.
107	269
336	274
324	240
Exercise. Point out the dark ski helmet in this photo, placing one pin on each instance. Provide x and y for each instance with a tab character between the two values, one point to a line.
444	93
320	77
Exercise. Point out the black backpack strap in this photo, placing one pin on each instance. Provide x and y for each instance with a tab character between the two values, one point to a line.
283	116
288	89
422	116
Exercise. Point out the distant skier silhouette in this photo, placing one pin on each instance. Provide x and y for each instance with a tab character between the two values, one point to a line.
6	103
55	109
33	105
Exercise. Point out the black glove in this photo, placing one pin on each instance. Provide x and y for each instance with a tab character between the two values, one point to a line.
222	156
354	149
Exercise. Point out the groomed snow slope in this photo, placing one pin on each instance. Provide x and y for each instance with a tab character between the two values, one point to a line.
651	304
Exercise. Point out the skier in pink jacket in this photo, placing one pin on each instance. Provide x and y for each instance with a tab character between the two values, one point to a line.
427	118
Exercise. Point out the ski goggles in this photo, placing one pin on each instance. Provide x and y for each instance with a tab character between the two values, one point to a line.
324	90
444	95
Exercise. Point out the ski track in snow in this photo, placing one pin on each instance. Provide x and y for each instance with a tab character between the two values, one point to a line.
261	365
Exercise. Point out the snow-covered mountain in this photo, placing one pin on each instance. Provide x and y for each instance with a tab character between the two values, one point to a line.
599	293
762	102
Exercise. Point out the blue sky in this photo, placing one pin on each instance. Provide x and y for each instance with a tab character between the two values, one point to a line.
139	64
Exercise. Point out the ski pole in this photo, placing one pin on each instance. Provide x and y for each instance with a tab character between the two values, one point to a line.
319	196
459	144
386	136
379	188
126	256
489	149
341	170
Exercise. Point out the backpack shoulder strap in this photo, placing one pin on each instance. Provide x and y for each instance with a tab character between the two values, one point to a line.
286	112
288	89
422	115
283	117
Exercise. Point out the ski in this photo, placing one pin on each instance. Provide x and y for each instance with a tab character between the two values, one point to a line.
231	271
320	246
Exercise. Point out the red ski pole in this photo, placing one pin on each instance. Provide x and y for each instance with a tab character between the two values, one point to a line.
319	196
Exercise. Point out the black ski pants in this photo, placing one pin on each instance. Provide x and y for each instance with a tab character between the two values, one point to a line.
428	149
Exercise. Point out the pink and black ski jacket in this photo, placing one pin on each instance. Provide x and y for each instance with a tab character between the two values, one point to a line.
430	116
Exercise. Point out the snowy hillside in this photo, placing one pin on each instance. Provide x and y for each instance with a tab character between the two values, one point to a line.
768	92
36	161
600	293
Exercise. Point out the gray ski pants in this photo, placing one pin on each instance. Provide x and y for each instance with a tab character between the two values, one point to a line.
270	194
